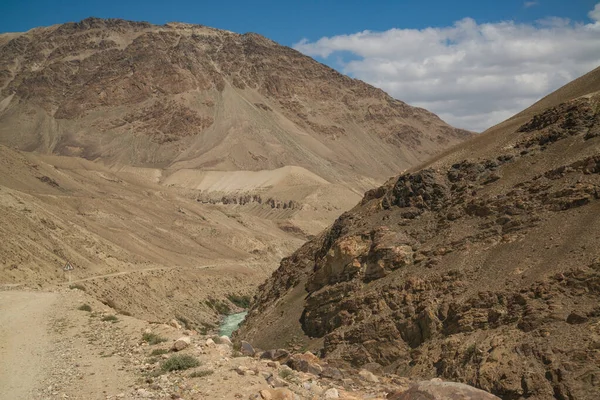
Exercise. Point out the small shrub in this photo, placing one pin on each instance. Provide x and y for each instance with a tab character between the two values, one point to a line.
85	307
77	286
153	338
179	362
126	313
159	352
200	374
285	373
111	318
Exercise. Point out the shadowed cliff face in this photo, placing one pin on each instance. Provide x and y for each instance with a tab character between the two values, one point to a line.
190	96
482	266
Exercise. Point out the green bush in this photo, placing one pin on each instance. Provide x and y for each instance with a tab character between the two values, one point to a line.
179	362
200	374
111	318
85	307
153	338
158	352
77	286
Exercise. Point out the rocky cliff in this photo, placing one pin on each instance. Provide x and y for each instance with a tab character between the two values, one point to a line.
482	266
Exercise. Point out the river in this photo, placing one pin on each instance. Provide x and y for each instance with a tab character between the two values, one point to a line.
231	323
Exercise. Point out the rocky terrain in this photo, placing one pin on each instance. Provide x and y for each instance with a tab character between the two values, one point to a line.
183	96
73	347
161	159
481	266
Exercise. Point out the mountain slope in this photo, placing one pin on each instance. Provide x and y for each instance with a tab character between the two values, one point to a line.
187	96
481	266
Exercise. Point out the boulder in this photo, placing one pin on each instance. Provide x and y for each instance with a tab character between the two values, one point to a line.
225	340
331	394
276	382
181	343
368	376
280	355
276	394
210	343
306	362
174	324
438	390
247	349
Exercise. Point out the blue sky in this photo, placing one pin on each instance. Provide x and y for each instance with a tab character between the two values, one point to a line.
288	21
472	62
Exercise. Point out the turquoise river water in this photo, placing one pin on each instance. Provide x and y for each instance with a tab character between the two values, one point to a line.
231	323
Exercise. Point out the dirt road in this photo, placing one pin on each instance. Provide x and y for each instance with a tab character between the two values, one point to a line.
24	342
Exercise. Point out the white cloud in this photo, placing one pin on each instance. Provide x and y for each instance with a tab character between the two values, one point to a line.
472	75
529	4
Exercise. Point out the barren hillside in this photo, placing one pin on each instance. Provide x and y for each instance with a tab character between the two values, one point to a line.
175	165
482	266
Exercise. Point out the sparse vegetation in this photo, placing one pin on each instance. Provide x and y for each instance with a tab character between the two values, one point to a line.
219	306
200	374
77	286
126	313
178	362
153	338
242	301
158	352
285	373
111	318
85	307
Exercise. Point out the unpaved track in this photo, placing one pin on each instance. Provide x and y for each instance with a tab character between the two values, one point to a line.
24	341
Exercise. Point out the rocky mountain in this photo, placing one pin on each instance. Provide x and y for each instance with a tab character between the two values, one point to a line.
480	266
184	96
161	159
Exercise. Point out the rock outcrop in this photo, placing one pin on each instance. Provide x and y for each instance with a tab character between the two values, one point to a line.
481	267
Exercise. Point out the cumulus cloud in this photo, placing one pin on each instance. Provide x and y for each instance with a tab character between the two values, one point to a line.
472	75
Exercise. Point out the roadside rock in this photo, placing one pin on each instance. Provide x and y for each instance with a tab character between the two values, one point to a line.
438	390
181	343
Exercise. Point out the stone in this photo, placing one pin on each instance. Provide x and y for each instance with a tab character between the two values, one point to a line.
210	343
368	376
174	324
280	355
181	343
241	370
276	394
276	381
144	393
225	340
332	373
306	362
576	318
247	349
331	394
437	390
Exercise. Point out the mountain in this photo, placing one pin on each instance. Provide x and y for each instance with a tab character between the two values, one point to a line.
183	96
162	159
480	266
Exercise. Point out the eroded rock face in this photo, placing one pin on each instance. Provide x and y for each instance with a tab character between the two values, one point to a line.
483	270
